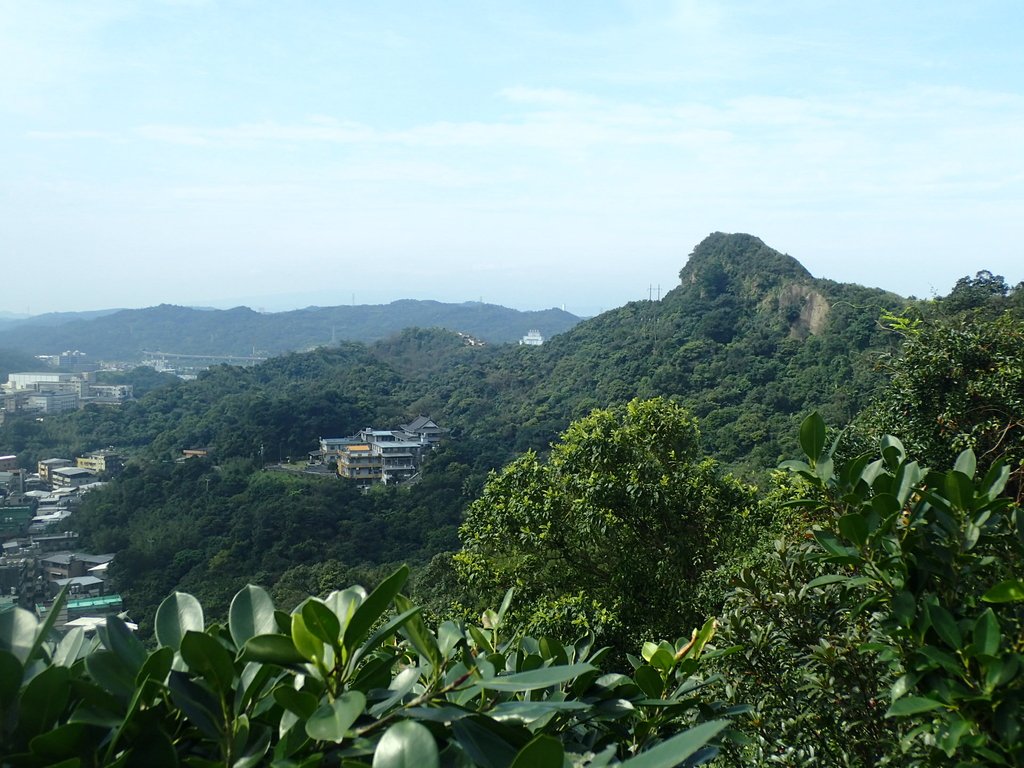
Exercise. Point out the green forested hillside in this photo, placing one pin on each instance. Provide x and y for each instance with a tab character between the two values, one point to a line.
125	334
860	607
749	341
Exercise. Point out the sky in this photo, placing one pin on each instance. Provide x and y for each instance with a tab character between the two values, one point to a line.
530	154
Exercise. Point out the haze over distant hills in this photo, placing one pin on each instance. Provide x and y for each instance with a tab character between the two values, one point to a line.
125	334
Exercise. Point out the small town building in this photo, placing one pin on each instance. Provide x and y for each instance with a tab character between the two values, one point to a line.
65	565
53	402
424	430
100	462
71	477
46	466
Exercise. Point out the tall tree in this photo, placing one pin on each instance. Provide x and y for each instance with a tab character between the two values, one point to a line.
612	532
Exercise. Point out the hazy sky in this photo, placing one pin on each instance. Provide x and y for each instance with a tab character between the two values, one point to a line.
532	154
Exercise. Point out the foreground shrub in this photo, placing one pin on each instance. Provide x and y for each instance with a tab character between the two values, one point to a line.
356	679
894	636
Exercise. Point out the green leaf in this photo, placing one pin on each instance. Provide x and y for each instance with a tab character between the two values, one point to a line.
1009	591
662	660
795	465
892	450
48	623
824	468
10	678
301	703
995	480
966	463
157	666
828	578
207	657
672	752
63	742
18	633
830	543
649	681
908	476
812	436
43	700
406	744
956	730
254	748
480	638
913	705
986	637
373	607
449	635
419	635
703	637
271	649
871	472
198	704
488	743
343	602
945	626
178	614
125	644
333	719
542	752
528	711
69	648
939	658
854	527
385	630
322	622
306	643
904	607
154	750
885	504
537	678
959	490
505	603
251	614
110	671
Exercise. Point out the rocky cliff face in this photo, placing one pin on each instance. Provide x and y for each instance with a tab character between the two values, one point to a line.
743	267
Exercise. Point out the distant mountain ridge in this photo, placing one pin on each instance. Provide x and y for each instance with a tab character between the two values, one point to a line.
125	334
11	319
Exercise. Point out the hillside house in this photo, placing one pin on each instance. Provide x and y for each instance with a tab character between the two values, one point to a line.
381	455
100	462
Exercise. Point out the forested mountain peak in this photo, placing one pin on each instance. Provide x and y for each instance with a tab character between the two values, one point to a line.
722	261
729	267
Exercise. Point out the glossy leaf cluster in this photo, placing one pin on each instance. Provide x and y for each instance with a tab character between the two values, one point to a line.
356	679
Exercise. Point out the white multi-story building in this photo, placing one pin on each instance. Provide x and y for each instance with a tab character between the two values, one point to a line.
532	339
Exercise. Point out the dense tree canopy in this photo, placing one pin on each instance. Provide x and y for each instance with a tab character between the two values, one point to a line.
958	384
612	531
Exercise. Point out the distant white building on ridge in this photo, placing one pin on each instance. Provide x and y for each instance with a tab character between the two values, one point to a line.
532	339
